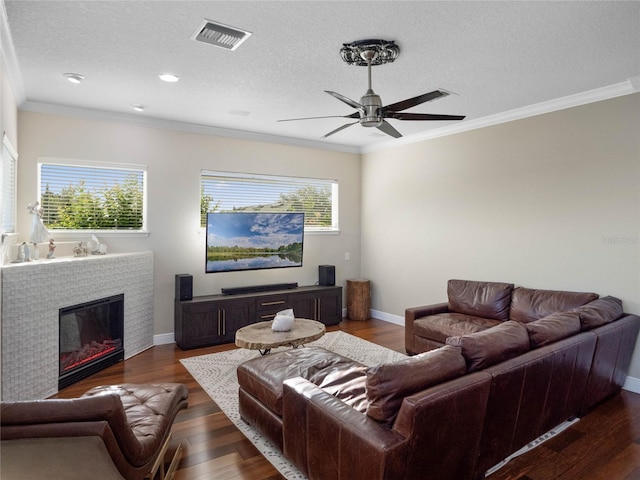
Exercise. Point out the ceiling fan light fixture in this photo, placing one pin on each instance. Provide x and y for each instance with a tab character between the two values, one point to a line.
371	112
219	35
378	51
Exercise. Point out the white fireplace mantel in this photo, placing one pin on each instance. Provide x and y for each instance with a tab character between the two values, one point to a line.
34	292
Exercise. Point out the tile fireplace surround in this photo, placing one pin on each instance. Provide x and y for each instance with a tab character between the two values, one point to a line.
32	294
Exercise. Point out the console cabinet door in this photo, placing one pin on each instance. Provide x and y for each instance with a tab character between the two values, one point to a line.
232	315
199	324
304	305
330	306
196	324
323	305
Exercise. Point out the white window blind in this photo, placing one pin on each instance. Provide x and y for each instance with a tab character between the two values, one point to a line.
80	196
317	198
8	177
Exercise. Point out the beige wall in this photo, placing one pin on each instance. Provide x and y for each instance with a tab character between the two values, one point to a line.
174	162
551	202
8	110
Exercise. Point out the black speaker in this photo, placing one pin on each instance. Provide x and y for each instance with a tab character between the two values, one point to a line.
327	274
184	286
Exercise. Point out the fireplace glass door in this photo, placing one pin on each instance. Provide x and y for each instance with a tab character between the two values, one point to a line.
91	338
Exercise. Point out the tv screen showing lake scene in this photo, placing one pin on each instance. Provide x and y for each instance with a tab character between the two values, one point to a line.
252	241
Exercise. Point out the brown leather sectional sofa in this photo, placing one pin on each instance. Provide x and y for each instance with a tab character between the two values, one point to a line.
479	392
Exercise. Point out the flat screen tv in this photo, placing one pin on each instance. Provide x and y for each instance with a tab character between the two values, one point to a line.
252	241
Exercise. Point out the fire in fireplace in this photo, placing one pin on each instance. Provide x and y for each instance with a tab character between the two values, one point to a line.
91	338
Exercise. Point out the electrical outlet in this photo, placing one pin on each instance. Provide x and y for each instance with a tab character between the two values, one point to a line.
347	256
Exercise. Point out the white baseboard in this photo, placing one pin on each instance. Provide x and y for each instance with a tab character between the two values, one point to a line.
387	317
632	385
164	339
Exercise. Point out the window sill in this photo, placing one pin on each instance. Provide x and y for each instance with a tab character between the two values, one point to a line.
74	234
322	232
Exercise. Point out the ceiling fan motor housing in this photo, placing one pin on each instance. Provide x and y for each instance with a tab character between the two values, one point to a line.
372	114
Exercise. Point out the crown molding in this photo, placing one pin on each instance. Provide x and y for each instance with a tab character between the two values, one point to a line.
627	87
630	86
9	58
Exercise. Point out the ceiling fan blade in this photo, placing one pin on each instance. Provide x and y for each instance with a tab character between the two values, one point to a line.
389	130
338	129
353	115
347	100
412	102
422	116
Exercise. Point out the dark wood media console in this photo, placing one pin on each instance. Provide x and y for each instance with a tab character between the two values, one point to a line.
214	319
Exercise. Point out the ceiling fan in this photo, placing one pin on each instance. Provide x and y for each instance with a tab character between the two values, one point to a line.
370	111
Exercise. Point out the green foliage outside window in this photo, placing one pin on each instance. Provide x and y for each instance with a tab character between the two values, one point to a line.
118	207
315	202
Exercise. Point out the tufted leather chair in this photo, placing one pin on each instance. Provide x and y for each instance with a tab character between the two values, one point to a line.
111	432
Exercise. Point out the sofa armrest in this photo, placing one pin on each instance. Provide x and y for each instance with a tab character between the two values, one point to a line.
410	314
614	347
326	438
444	426
413	313
58	410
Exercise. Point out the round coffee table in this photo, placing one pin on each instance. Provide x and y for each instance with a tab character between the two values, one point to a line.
259	336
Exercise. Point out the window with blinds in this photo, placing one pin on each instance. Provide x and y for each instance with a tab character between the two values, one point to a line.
238	192
87	196
8	181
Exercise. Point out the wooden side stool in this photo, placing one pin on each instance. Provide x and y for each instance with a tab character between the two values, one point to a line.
358	299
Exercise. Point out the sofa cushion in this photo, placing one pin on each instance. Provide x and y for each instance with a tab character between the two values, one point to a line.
439	327
388	384
600	311
262	377
497	344
480	299
528	304
553	328
347	384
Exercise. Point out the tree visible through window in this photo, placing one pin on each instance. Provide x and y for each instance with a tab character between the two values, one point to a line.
317	198
80	197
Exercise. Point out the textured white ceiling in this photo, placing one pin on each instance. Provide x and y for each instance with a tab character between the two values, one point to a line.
497	56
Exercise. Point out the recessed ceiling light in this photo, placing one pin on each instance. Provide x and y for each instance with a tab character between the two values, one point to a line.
138	108
169	77
73	77
242	113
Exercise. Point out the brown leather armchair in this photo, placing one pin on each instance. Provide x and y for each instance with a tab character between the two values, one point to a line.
111	432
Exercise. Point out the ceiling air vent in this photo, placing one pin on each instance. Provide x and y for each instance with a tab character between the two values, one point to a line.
220	35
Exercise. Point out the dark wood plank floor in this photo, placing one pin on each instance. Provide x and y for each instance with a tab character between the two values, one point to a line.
604	445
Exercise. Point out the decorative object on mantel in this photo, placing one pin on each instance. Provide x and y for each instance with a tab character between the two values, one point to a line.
52	249
39	232
95	247
283	321
80	250
21	253
35	255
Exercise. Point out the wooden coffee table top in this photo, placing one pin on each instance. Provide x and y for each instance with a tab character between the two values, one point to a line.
259	336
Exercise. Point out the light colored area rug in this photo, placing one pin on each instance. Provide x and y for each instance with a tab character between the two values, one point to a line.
216	373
